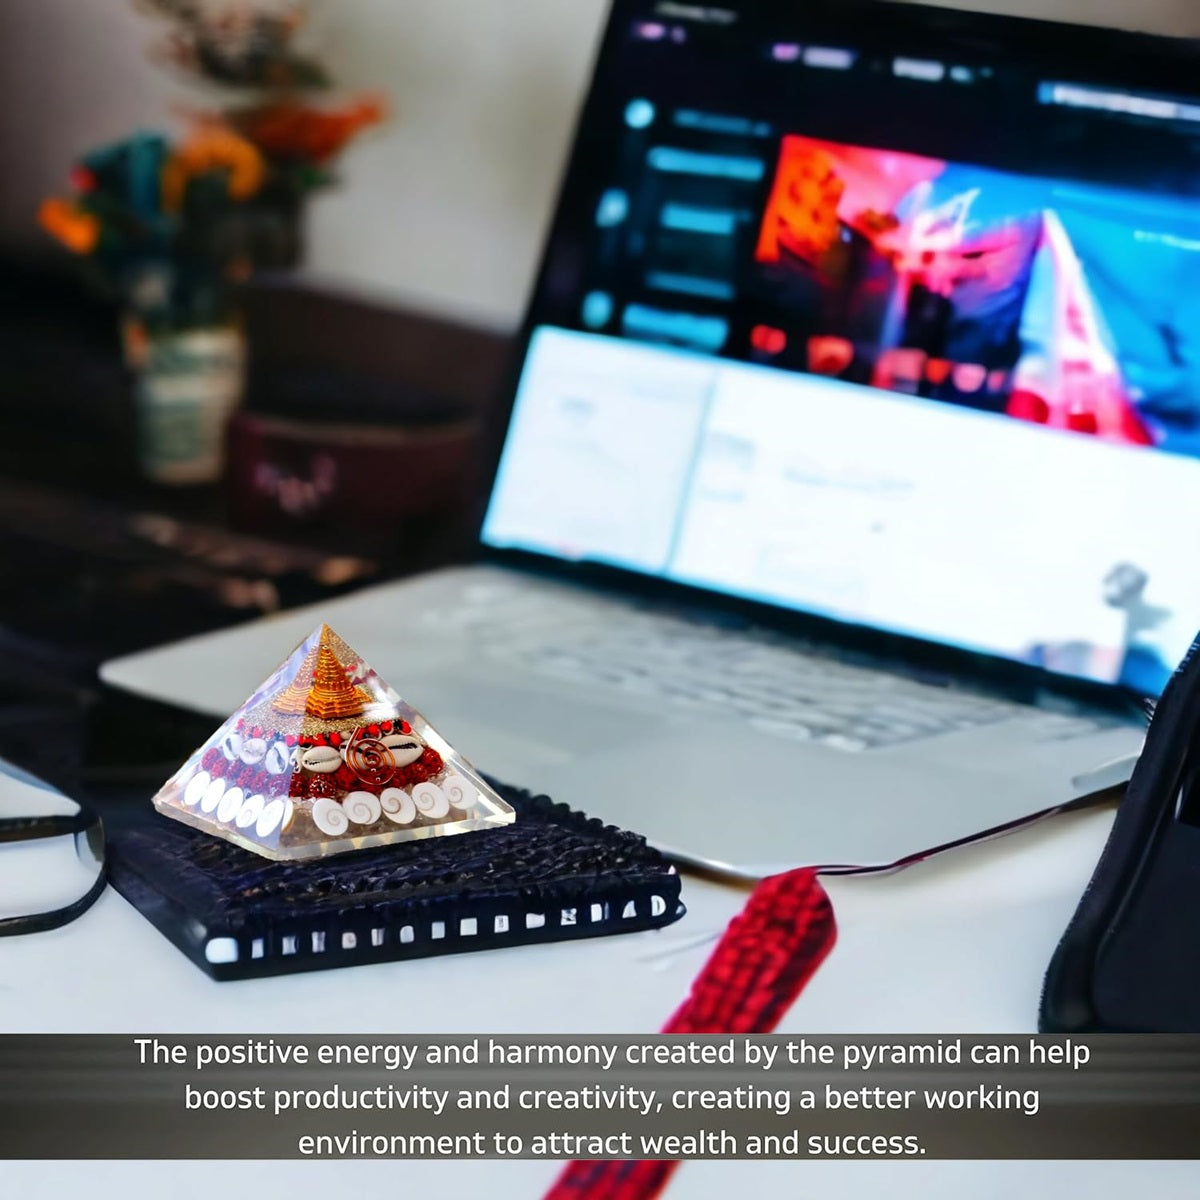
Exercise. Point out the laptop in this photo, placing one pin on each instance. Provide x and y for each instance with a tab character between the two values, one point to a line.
846	500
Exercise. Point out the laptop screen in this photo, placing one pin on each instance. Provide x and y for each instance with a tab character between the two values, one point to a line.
894	321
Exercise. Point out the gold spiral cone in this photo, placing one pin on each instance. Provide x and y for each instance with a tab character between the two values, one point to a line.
321	687
332	694
294	697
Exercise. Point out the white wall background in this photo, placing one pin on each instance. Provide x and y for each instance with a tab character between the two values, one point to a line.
444	208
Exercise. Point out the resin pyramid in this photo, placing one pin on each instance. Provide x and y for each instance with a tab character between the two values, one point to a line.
326	758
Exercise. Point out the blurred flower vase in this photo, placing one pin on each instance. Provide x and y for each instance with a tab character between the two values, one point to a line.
189	382
171	228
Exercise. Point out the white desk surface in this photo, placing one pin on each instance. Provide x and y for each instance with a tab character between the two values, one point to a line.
956	945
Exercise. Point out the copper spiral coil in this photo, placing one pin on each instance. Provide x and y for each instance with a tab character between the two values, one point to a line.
370	760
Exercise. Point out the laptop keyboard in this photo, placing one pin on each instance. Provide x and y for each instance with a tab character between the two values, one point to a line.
777	685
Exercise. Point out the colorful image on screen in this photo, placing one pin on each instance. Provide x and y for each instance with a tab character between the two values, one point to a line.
915	352
1068	305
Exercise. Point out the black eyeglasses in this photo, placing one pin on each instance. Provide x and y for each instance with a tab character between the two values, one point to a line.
46	881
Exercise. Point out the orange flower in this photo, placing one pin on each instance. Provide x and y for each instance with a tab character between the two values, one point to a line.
292	131
79	231
212	148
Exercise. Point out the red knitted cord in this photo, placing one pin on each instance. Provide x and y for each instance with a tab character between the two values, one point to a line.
767	954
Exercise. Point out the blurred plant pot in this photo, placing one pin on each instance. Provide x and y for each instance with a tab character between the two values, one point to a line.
189	382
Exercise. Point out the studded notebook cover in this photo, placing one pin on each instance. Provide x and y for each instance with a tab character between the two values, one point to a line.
551	875
327	823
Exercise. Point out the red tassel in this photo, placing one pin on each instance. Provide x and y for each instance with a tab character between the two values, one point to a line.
766	955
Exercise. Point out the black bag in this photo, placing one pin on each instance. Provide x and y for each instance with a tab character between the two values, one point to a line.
1128	961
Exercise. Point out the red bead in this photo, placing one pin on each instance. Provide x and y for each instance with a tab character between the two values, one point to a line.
321	785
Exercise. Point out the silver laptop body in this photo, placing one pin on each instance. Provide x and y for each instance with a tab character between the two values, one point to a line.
827	526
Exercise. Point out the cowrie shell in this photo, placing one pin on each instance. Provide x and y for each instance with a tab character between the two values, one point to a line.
231	746
278	758
404	748
322	760
253	751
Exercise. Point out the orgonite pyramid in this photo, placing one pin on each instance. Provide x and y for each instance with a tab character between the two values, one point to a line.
326	758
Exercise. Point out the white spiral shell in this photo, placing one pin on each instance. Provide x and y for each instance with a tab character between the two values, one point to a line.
460	791
363	808
231	746
330	817
398	806
431	801
250	811
254	750
278	758
196	788
230	804
270	818
212	795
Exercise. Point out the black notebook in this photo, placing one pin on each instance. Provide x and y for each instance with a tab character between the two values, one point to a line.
552	875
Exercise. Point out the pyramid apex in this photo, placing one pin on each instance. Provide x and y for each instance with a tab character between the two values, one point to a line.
321	688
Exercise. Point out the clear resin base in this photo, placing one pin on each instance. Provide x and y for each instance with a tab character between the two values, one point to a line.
325	758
